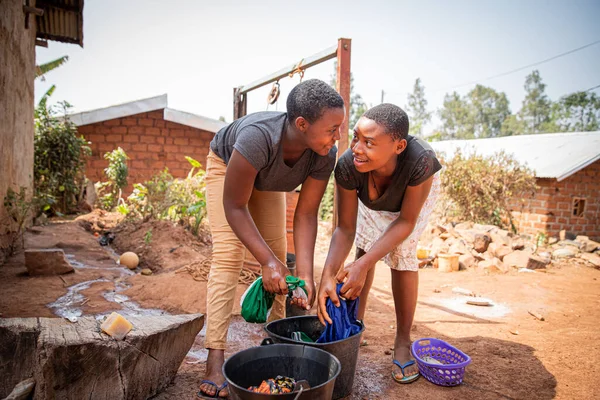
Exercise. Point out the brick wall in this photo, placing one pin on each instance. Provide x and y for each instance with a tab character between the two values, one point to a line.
150	142
551	210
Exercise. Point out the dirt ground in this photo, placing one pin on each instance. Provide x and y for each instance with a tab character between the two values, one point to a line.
514	355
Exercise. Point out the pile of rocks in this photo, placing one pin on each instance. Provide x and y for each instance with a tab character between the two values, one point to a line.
497	250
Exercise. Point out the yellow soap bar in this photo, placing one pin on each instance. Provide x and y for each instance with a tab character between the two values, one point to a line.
116	326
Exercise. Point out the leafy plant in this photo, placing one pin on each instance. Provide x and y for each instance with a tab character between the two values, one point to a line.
178	200
479	188
116	172
149	199
59	159
43	69
148	237
326	206
20	207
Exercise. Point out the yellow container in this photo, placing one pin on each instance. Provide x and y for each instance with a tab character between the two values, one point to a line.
448	262
423	253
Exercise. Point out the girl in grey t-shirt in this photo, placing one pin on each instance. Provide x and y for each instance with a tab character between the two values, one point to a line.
252	163
387	186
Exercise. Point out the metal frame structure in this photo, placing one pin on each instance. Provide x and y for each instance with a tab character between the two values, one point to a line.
342	52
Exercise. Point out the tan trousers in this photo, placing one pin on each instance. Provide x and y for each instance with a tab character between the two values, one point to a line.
268	212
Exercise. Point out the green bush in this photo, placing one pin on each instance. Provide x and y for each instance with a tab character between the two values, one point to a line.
20	207
59	159
116	172
326	207
179	200
480	189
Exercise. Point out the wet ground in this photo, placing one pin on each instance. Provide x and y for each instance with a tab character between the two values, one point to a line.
515	356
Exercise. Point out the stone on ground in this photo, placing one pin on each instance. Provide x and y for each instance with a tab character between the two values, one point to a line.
466	261
493	265
482	241
592	258
537	262
517	259
46	262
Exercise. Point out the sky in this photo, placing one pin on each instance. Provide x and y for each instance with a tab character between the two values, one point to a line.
198	51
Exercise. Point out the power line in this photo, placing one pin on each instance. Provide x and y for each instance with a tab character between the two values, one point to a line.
521	68
592	88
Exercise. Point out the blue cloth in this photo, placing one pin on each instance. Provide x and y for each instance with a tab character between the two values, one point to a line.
344	320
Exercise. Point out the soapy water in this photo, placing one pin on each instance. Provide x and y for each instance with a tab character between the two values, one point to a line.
70	305
240	333
459	304
79	265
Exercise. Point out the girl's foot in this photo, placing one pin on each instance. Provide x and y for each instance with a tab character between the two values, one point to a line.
407	373
214	376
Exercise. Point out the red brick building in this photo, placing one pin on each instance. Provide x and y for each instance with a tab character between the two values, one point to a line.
153	136
572	204
567	169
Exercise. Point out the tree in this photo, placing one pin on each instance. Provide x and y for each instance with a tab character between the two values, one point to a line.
479	114
489	110
417	109
536	109
577	112
455	116
512	126
42	70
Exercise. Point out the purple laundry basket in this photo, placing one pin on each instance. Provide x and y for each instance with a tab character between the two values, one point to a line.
453	361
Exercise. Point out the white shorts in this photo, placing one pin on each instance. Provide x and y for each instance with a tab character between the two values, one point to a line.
371	224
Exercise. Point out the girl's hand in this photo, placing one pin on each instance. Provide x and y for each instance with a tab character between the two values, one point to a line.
355	275
327	288
273	277
309	285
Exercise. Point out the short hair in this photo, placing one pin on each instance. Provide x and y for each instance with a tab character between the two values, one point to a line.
310	98
392	118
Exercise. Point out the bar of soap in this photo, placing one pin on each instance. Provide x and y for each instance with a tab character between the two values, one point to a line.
116	326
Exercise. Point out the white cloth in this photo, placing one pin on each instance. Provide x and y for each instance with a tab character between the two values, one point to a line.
371	225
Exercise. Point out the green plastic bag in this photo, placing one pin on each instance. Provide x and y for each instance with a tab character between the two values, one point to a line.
256	302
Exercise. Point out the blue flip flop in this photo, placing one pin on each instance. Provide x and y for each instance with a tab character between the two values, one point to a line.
405	379
219	389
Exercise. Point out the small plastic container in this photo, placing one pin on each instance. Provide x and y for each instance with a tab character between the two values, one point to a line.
440	362
448	262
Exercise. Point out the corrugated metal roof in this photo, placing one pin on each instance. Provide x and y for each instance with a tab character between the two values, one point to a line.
120	110
550	155
147	105
62	21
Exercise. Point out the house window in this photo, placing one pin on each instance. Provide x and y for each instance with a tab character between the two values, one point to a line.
578	206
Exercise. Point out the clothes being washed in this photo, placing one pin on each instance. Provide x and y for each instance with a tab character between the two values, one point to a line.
344	319
256	301
279	385
301	337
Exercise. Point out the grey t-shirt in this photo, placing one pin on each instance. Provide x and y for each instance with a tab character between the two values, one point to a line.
415	165
258	137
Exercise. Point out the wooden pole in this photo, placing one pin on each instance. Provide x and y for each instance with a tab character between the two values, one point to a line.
239	104
343	88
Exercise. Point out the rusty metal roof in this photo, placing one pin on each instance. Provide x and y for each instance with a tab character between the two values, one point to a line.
62	21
